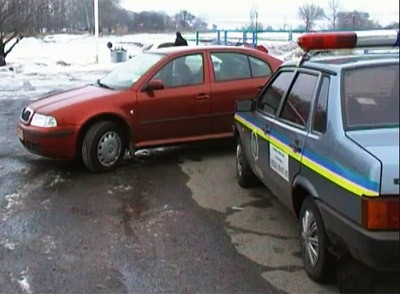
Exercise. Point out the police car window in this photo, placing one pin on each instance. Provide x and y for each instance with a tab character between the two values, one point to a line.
259	68
371	96
269	100
319	119
232	66
298	104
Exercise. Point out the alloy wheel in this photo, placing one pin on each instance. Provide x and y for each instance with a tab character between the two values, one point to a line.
239	166
309	236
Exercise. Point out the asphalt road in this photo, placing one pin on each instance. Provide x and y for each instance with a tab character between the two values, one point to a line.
174	220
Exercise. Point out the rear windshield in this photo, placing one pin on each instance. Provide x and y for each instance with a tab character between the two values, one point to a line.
371	96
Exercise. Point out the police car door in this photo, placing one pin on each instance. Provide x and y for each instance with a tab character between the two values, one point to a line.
269	100
289	132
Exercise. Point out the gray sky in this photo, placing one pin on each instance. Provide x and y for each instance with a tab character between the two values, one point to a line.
230	14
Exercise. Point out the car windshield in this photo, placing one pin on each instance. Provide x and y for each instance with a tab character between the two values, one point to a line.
125	75
371	96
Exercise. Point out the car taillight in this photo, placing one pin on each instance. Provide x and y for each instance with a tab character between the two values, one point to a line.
381	213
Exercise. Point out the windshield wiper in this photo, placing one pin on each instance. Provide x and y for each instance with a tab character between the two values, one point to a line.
103	85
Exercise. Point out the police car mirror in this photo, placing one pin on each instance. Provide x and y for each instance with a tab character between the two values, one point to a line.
244	105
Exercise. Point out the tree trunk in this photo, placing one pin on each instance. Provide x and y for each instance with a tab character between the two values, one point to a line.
2	53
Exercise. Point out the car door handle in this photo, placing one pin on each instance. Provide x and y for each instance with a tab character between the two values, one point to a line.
202	96
266	129
295	146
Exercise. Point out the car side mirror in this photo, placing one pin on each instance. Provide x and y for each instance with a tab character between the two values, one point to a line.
245	105
153	85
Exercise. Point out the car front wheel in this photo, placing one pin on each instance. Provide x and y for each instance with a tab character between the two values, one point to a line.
103	147
314	242
245	176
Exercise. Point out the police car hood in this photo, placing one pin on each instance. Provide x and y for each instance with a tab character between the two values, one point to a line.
384	145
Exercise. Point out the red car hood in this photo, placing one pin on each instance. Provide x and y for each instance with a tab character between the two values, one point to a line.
53	102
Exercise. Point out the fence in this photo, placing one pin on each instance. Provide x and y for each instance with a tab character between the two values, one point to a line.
237	37
227	37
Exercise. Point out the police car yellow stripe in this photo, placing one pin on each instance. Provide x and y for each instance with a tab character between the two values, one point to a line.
315	166
252	127
337	179
286	149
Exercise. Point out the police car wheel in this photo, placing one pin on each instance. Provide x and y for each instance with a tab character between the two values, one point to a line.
314	242
244	174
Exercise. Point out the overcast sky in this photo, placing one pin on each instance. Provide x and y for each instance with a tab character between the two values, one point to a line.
226	13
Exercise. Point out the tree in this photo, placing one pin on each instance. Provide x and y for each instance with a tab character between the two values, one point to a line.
253	17
333	10
310	13
16	19
355	20
393	25
199	24
184	20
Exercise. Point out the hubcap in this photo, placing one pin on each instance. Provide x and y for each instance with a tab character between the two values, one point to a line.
109	148
309	236
239	160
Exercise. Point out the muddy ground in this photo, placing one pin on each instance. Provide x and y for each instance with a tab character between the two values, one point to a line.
173	220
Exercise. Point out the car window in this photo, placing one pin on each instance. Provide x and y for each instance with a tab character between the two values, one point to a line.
166	44
125	75
319	119
270	99
195	62
233	66
371	96
296	108
182	71
259	68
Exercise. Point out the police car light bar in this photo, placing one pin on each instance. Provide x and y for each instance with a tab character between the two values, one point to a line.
348	40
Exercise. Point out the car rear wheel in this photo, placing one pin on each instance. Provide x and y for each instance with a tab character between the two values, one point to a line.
103	147
245	176
314	242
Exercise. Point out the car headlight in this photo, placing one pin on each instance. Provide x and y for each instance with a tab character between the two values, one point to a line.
44	121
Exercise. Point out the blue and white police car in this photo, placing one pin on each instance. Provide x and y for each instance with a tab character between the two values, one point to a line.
323	136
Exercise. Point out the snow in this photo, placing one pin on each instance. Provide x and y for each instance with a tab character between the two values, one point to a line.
41	65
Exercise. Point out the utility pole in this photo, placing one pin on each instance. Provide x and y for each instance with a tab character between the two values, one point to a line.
96	27
256	41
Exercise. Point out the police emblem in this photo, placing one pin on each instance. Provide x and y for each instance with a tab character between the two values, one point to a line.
254	144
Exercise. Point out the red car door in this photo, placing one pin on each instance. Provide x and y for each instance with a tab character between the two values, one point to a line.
235	75
179	111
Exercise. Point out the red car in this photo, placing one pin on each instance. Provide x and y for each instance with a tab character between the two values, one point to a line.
160	97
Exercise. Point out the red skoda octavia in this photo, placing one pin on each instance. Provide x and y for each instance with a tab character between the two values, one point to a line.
160	97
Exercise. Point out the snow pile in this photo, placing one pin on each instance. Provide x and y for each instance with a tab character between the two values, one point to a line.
287	51
58	62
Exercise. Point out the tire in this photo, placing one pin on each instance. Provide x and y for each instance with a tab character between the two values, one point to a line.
103	135
317	260
245	176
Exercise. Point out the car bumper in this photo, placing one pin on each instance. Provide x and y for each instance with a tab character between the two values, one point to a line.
378	250
49	142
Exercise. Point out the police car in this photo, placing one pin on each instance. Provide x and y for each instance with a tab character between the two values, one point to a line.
323	136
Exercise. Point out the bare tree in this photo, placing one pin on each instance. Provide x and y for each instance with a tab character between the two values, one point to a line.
253	16
310	13
356	20
16	21
333	10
